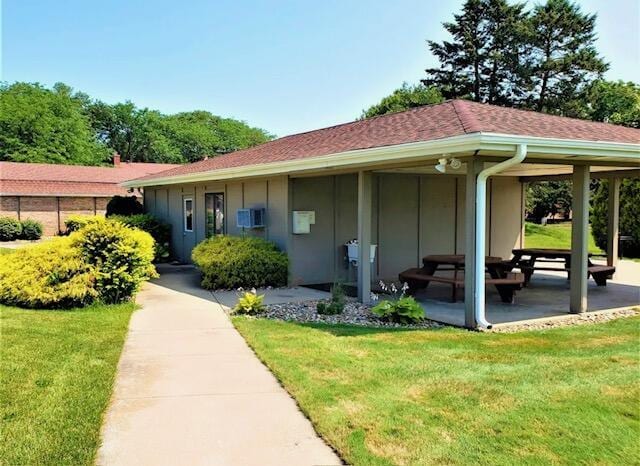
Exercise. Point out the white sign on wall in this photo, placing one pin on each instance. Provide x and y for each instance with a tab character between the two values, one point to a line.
302	221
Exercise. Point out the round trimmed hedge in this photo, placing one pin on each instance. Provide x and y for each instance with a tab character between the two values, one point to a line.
31	229
104	261
230	262
10	229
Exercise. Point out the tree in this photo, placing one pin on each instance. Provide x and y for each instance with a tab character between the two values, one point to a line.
562	60
629	215
501	54
42	125
404	98
143	135
548	198
482	61
612	102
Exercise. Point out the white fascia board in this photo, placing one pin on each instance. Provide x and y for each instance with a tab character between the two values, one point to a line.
551	146
414	151
423	150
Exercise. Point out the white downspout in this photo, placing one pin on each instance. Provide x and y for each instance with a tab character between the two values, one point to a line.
481	210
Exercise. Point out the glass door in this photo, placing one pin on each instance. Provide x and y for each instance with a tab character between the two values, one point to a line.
214	214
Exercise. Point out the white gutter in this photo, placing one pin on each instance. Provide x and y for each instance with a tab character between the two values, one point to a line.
481	213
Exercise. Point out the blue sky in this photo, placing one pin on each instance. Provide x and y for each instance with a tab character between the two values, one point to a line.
286	66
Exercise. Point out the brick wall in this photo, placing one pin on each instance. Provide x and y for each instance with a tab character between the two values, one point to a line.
50	210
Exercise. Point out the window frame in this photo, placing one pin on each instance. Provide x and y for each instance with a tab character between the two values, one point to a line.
184	214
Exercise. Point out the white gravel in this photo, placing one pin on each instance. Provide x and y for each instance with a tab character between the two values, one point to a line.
573	319
354	313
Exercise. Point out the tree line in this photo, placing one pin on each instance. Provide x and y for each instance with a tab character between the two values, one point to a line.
58	125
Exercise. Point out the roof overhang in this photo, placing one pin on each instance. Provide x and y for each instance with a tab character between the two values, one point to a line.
564	151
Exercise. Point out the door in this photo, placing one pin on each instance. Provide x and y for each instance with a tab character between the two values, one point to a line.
214	214
188	224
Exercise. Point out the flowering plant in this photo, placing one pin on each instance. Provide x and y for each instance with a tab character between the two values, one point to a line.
400	308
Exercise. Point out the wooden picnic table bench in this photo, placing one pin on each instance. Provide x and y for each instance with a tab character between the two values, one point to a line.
506	282
600	273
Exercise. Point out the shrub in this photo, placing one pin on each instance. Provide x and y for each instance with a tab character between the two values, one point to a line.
121	257
234	262
31	229
250	303
405	310
10	229
49	275
159	230
629	215
76	222
336	304
124	205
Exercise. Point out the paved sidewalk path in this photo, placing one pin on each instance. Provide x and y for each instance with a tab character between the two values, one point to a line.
190	391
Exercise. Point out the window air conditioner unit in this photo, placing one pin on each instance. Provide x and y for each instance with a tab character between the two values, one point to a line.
250	218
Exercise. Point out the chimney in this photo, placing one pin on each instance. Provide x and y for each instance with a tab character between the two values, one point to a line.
116	159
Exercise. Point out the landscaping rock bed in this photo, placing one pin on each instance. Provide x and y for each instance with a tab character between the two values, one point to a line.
575	319
354	313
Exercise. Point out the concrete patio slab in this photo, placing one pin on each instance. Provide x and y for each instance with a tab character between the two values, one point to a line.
274	295
190	391
547	296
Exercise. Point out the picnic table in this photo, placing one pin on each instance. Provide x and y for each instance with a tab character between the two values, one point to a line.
504	280
600	273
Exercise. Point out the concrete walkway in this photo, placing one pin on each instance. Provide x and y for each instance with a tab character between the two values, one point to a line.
190	391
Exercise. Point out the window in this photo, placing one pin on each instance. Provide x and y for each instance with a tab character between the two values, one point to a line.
214	210
188	214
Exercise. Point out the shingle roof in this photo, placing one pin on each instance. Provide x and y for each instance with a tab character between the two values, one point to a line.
30	179
450	118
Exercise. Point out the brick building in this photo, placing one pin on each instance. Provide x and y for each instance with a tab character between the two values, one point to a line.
50	193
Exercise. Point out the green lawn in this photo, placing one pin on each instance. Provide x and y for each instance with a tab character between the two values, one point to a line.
563	396
553	236
56	374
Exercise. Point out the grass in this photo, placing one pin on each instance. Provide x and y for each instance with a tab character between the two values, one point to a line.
380	397
56	374
554	236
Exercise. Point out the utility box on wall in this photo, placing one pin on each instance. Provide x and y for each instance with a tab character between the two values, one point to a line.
250	218
302	221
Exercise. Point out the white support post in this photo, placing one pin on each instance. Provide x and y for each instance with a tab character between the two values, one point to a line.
613	220
364	236
474	167
579	239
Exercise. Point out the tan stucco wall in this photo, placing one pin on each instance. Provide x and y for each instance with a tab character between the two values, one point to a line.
413	215
166	202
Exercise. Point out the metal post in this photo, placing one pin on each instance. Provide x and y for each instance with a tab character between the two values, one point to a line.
613	220
579	239
364	236
474	167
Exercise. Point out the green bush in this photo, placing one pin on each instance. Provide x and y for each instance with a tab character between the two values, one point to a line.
336	304
31	229
405	310
48	275
121	257
76	222
235	262
159	230
10	229
124	205
250	303
629	215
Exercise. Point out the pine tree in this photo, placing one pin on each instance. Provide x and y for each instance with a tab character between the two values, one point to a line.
482	60
562	59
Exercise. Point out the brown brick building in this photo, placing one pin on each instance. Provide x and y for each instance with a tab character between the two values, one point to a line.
50	193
